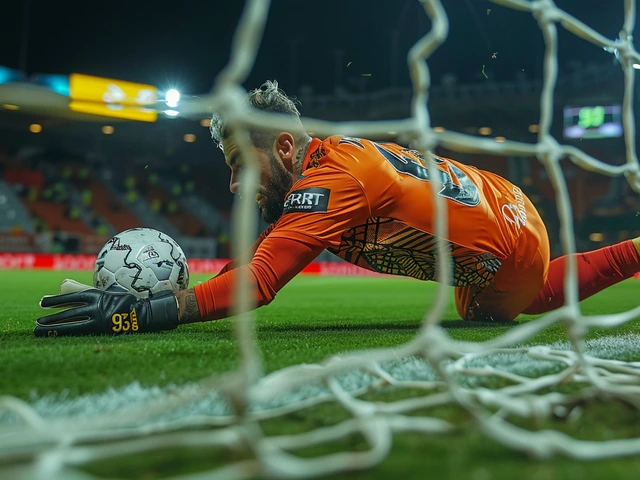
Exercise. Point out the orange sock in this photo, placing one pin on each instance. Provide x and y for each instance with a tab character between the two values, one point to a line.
597	270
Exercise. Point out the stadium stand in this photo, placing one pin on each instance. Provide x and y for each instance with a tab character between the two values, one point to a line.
111	208
13	214
182	188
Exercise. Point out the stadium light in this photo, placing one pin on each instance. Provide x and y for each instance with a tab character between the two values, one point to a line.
171	113
596	237
438	129
35	128
500	139
189	138
172	97
533	128
484	131
107	129
9	106
636	66
205	122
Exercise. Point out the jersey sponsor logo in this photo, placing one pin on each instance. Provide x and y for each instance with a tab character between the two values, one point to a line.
307	200
516	213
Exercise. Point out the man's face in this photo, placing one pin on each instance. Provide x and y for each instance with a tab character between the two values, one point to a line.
275	181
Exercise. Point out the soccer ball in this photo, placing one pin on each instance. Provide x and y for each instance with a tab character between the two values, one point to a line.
142	261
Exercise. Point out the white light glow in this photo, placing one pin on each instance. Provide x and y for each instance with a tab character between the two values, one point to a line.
172	97
171	113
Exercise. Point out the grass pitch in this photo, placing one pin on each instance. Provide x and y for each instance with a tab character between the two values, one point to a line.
311	319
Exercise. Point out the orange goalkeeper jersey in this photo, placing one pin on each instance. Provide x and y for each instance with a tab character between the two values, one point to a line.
371	204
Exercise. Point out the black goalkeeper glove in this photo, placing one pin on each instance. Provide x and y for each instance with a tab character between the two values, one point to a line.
97	312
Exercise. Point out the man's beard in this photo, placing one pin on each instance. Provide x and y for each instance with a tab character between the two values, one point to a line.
279	184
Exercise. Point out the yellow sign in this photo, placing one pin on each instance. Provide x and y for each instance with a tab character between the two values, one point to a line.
112	98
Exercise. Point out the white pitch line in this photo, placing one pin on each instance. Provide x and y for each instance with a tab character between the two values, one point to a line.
56	406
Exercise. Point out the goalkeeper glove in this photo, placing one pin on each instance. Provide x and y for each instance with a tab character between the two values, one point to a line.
69	286
96	312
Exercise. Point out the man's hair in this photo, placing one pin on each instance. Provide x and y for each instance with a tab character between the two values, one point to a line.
267	98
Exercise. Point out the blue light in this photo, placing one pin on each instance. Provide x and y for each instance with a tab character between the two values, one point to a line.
57	83
8	75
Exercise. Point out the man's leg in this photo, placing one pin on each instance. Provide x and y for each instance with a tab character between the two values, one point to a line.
597	270
511	291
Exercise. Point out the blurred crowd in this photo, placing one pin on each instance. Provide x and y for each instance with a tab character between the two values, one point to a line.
67	204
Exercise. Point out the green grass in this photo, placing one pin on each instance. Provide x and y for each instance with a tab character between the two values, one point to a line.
311	319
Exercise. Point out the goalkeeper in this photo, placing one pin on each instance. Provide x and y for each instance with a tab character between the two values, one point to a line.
370	204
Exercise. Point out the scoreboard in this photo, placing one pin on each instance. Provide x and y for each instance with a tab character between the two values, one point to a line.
593	121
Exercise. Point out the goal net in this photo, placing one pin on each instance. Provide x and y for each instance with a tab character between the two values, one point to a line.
447	371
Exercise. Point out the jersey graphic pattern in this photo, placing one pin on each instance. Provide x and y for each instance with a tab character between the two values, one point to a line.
389	246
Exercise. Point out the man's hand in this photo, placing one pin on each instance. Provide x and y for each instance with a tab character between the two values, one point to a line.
90	311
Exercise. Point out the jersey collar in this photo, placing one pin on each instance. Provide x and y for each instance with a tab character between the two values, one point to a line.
314	152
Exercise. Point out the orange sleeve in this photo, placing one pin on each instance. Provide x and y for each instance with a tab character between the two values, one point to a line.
276	262
236	262
318	210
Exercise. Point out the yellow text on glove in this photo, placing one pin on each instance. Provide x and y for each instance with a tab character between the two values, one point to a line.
119	323
134	320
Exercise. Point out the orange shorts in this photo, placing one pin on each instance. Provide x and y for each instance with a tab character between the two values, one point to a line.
517	283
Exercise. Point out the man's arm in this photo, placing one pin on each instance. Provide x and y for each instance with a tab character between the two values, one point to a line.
188	306
90	311
281	254
283	251
275	263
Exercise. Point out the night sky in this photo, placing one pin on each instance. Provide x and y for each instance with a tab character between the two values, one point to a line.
185	44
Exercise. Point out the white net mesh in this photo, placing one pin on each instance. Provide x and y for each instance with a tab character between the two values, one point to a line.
39	447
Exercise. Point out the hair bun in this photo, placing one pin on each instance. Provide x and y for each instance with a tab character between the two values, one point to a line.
269	86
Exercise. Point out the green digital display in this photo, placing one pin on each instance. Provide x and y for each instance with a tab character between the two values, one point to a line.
592	121
591	117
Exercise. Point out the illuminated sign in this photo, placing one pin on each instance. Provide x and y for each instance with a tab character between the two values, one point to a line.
598	121
112	98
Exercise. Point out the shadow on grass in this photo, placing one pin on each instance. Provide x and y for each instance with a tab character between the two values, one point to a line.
382	326
471	324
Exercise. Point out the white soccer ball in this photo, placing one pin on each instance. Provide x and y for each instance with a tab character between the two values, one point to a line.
143	261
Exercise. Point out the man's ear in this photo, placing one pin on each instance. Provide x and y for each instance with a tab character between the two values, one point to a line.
285	149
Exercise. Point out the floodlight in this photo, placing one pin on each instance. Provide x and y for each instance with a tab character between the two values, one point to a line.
172	97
